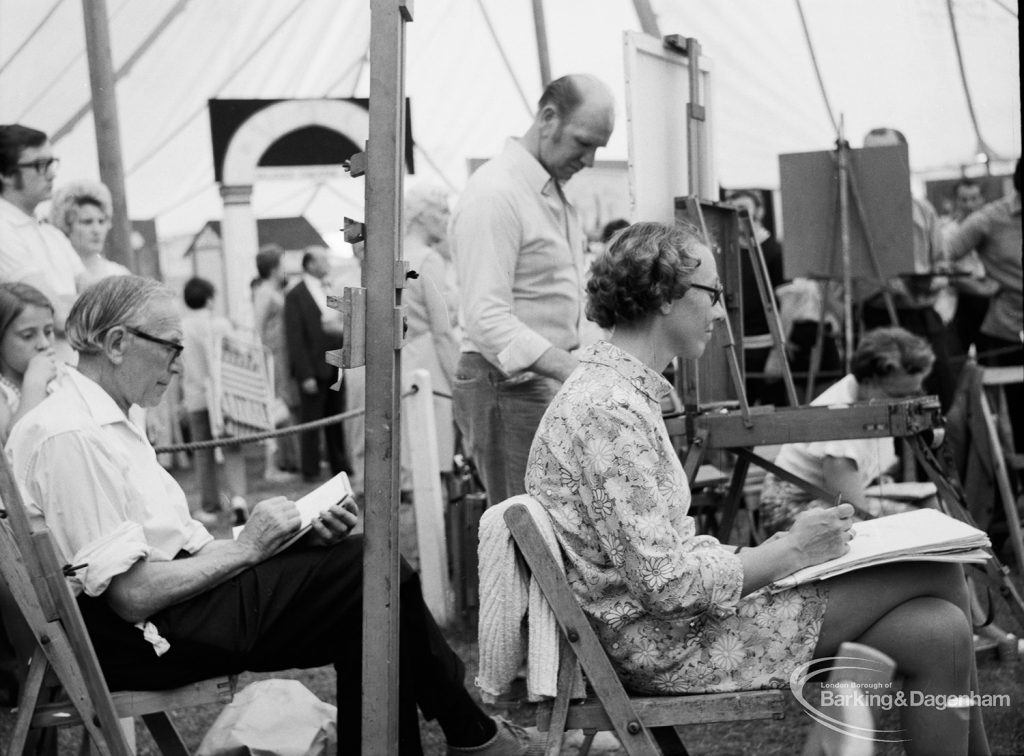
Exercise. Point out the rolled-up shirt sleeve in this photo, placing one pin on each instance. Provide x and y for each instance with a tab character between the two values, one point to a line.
83	496
488	236
630	494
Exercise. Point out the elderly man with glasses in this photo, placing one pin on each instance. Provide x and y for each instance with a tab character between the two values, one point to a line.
164	602
32	252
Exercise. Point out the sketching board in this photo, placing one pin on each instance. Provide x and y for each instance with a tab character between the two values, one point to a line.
657	91
810	213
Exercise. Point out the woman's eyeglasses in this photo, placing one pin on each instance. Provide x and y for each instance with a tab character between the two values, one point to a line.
716	292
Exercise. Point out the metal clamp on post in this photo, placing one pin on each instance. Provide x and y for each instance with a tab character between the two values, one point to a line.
356	165
352	305
354	231
403	271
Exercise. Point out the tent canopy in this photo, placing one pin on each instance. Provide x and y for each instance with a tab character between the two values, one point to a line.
473	79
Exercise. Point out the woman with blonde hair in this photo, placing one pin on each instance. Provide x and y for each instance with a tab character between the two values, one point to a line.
82	210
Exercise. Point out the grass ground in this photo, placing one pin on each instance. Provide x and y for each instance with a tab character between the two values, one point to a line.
1005	725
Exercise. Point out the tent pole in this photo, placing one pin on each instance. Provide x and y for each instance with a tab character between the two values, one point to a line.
543	57
648	19
108	133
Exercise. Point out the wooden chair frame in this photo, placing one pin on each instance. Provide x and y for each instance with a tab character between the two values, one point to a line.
644	725
61	654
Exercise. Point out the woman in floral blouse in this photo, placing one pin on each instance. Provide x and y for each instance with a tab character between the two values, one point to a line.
681	613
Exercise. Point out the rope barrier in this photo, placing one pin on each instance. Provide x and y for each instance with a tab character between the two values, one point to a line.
254	437
287	431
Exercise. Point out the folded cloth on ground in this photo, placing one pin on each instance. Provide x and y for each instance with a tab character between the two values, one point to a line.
506	598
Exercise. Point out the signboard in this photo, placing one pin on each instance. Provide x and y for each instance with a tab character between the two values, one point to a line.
242	387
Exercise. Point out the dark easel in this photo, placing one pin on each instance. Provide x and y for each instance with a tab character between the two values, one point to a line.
848	197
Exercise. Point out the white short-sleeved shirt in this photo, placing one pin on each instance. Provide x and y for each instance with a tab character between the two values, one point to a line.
873	456
92	474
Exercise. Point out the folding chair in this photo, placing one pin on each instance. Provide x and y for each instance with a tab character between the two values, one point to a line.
60	655
645	725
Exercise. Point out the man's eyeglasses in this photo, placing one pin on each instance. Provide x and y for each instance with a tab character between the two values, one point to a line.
42	165
175	347
716	292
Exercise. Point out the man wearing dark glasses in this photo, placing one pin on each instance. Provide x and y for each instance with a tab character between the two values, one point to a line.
32	252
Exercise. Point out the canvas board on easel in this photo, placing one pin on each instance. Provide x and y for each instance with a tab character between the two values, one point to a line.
810	212
657	92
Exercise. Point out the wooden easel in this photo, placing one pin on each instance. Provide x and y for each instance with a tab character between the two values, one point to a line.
952	502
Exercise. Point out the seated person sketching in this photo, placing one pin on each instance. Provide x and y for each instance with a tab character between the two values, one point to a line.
682	613
889	363
164	603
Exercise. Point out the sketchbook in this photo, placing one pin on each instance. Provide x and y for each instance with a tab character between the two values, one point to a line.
920	535
312	504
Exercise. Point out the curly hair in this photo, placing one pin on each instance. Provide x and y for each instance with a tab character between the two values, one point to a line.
888	351
645	266
70	197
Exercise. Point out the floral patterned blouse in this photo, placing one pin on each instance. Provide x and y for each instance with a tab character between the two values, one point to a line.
664	601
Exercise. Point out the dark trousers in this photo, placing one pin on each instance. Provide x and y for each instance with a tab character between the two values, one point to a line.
324	403
994	352
301	608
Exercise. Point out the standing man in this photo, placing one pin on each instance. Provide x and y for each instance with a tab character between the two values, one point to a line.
994	232
32	252
973	291
312	329
915	295
518	247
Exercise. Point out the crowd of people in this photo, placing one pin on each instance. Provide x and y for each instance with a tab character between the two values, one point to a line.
540	401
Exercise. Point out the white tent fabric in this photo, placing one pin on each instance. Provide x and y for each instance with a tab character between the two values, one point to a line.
473	77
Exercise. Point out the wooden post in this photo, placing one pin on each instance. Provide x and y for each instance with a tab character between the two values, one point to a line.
543	57
108	133
384	276
427	497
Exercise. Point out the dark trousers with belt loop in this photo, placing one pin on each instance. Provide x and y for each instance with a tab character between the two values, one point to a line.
301	608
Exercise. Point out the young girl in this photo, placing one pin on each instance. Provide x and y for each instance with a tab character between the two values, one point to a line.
27	359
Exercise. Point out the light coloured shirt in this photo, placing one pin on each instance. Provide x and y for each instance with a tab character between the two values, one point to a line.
872	456
318	291
518	249
995	232
97	267
200	332
32	249
92	474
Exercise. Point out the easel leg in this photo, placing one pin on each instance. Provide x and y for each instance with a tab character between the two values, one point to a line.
951	502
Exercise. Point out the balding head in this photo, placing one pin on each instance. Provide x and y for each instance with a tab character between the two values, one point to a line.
575	116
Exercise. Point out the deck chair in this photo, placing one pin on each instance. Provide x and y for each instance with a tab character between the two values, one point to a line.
62	681
645	725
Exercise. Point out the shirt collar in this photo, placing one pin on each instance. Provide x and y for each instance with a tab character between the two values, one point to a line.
15	215
534	173
629	367
314	284
100	404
